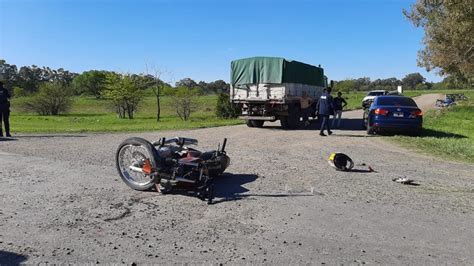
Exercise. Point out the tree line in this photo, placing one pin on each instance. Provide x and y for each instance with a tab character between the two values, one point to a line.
412	81
27	79
49	90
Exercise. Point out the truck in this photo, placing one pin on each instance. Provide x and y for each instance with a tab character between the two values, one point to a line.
270	88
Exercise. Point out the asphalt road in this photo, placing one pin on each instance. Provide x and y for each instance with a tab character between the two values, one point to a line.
62	201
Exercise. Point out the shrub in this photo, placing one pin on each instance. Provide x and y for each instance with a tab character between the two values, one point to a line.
225	108
19	92
52	98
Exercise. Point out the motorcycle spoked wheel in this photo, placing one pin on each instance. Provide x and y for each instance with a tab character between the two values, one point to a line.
135	152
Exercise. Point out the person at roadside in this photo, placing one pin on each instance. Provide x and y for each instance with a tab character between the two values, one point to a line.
325	109
339	104
4	110
305	103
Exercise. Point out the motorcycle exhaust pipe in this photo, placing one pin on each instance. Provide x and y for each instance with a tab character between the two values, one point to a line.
224	144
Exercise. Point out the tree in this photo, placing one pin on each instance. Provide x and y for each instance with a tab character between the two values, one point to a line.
218	86
187	82
362	84
52	98
124	93
63	76
449	35
8	74
345	85
29	78
157	87
413	79
184	102
90	82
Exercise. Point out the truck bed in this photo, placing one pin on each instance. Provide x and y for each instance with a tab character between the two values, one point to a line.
286	92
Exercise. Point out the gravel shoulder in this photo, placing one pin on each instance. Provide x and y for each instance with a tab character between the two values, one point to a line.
280	203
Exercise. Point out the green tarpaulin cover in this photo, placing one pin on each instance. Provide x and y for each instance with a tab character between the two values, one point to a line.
274	70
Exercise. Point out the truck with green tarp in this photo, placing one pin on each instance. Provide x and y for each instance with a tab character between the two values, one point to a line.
270	88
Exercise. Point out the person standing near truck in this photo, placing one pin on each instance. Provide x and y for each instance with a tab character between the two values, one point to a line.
339	104
325	109
4	110
305	103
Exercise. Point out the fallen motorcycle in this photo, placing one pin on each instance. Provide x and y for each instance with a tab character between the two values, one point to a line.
170	163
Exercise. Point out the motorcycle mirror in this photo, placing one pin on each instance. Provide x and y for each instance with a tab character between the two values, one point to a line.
163	142
224	144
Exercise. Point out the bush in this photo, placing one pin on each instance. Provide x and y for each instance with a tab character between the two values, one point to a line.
19	92
422	86
52	98
168	91
224	108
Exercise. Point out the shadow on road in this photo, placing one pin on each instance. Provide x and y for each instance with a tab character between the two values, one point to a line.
49	136
361	171
7	139
229	187
10	258
351	124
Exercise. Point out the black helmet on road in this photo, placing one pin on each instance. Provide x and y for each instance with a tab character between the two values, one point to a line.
340	161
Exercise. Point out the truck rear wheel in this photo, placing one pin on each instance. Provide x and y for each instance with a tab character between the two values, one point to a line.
284	122
258	123
255	123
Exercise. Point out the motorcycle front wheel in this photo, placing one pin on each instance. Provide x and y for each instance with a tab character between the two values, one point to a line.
135	157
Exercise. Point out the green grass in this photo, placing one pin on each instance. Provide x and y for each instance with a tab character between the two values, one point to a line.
91	115
448	133
354	99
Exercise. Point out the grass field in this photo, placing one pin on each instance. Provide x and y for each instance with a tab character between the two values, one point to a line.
91	115
448	133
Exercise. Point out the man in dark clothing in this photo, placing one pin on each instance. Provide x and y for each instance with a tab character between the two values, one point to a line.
4	110
325	109
339	104
305	104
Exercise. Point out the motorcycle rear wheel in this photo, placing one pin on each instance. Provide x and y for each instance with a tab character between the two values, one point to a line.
133	152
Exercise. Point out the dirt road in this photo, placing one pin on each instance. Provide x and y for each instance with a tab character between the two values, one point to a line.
61	200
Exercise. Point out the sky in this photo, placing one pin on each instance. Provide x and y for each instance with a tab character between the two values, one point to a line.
199	39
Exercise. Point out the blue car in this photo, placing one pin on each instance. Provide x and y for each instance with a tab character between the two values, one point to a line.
396	114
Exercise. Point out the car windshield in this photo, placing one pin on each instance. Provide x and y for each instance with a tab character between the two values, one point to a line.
375	93
396	101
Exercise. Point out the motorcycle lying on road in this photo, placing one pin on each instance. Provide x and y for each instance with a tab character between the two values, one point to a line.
170	163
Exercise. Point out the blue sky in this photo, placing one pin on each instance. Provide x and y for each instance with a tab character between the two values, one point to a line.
198	39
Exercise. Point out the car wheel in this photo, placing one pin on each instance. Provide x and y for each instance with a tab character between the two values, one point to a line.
365	120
